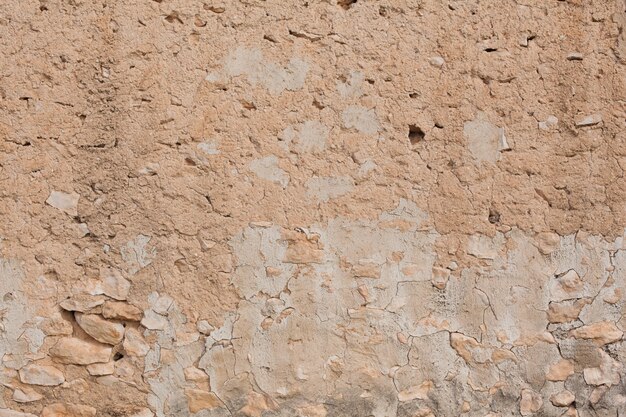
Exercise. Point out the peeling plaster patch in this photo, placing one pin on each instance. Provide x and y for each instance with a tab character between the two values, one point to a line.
208	148
362	119
274	77
137	255
259	253
484	139
307	137
352	87
16	339
324	189
267	168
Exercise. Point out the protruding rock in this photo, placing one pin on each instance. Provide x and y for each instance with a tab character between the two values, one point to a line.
114	284
99	369
66	202
417	392
134	344
601	333
566	311
68	410
41	375
26	395
566	286
560	370
436	61
198	400
575	56
153	321
5	412
204	327
82	302
530	403
562	399
80	352
591	120
100	329
549	123
547	242
608	373
440	277
56	326
118	310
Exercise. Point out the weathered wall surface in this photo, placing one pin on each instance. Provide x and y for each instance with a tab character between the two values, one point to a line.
318	208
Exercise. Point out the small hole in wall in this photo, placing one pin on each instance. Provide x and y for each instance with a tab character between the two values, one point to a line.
416	134
346	4
494	217
118	356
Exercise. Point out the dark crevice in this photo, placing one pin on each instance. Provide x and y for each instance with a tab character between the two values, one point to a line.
416	134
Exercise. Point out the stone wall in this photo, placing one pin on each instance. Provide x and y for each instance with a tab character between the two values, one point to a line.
320	208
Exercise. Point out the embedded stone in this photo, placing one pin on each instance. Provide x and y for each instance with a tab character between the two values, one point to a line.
560	370
134	343
199	400
82	302
6	412
66	202
114	284
590	120
26	395
562	399
100	369
118	310
600	333
530	403
41	375
100	329
80	352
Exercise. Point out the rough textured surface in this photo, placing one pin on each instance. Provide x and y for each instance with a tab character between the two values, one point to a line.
316	208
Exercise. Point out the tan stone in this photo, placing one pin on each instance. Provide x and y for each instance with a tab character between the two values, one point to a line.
5	412
530	402
56	326
601	333
26	395
566	311
195	375
41	375
257	404
416	392
118	310
547	242
99	369
102	330
560	370
608	373
440	277
82	302
80	352
114	284
566	286
201	400
134	343
562	399
68	410
66	202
